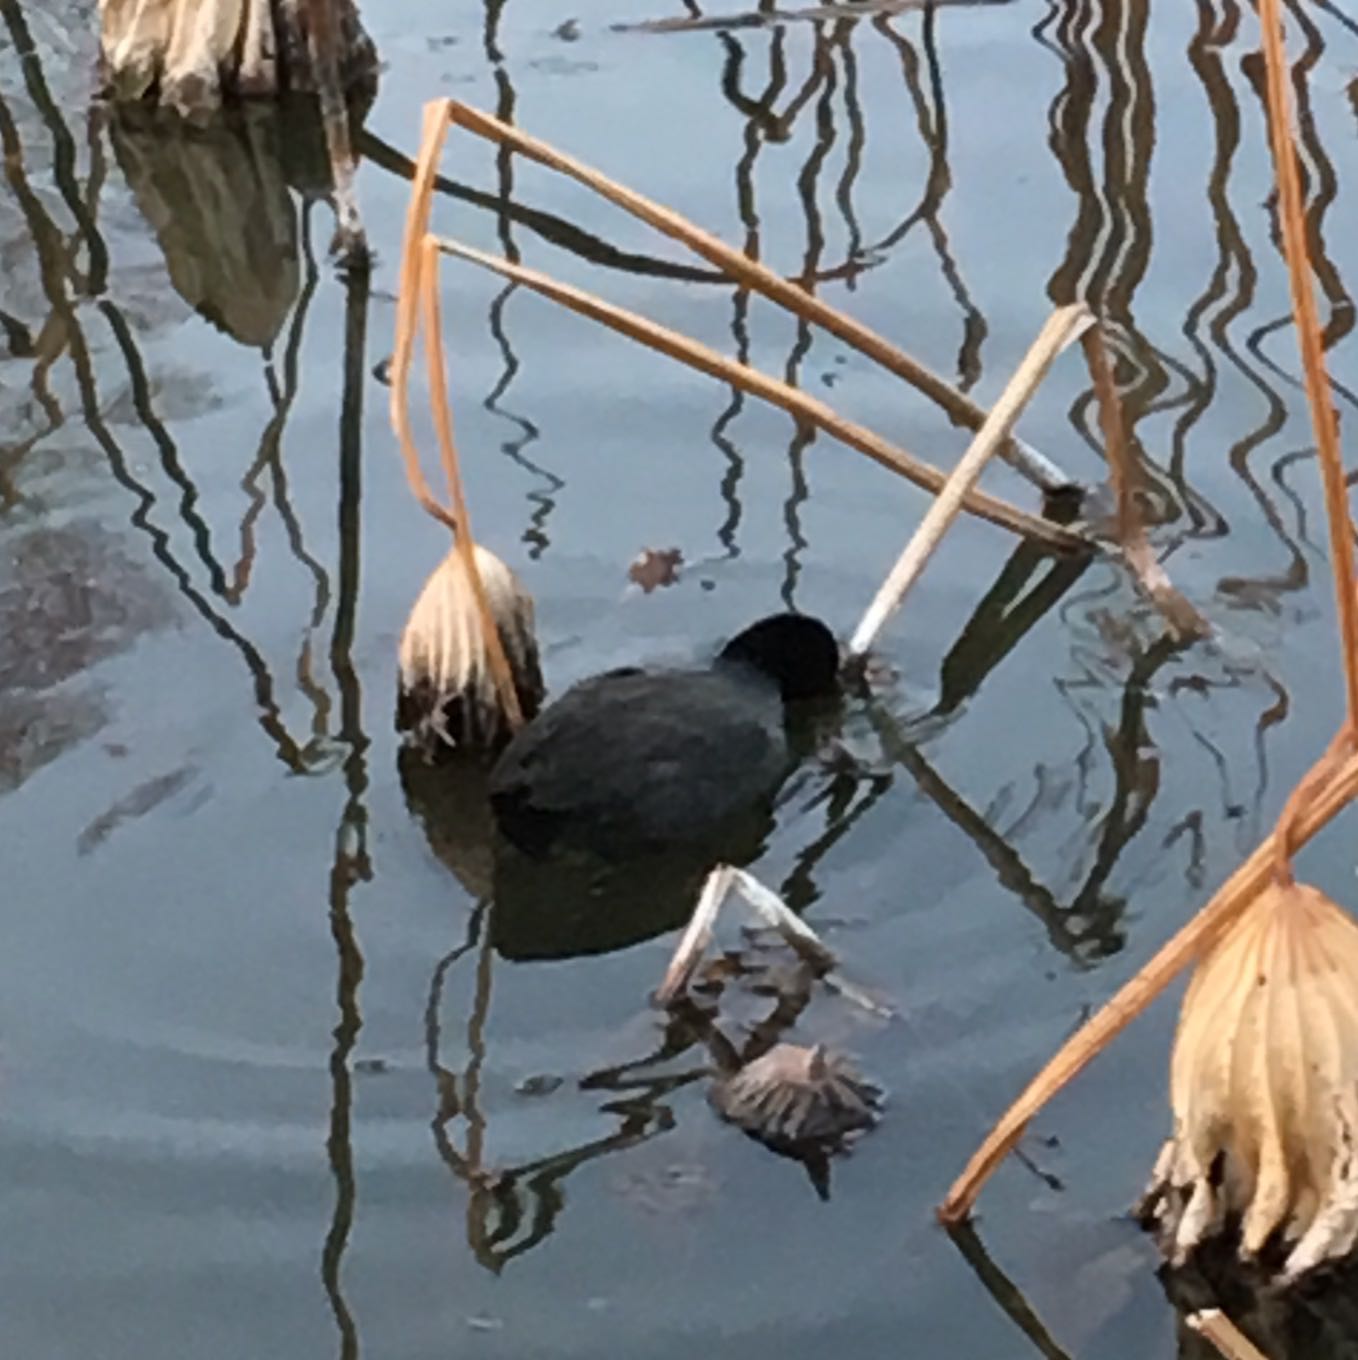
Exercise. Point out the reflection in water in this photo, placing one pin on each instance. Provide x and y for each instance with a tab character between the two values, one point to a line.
931	116
1102	47
563	906
511	1210
270	455
217	200
351	864
236	247
169	173
1089	927
70	597
542	498
1003	1290
574	906
557	231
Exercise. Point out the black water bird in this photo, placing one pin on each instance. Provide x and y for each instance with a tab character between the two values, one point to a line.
638	760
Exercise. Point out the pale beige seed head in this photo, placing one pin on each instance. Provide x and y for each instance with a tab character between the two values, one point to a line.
1264	1085
444	663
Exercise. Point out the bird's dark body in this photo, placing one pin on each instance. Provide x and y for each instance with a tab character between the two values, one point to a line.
633	761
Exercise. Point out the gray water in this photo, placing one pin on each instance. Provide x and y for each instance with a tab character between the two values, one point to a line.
264	1089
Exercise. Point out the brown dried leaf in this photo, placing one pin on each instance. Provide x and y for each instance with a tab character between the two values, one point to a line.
655	567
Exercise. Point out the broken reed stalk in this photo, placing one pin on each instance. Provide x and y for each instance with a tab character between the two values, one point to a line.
418	297
1184	621
1230	1341
1135	995
1062	326
790	399
760	279
1312	346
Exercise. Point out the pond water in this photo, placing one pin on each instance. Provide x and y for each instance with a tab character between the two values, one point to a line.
264	1087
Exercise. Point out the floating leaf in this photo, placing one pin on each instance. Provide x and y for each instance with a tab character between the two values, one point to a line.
655	567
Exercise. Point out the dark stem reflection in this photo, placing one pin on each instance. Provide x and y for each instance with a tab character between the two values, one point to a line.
351	864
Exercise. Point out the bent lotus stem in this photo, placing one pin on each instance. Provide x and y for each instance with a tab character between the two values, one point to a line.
783	395
1134	996
418	300
760	279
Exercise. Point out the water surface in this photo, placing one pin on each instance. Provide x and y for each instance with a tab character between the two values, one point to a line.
263	1085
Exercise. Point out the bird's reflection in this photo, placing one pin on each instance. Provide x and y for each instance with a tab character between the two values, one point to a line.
574	905
564	905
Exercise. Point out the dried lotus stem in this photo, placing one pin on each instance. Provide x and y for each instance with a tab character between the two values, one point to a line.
760	279
463	542
1230	1341
1134	996
448	650
788	398
1312	346
1295	1173
1062	327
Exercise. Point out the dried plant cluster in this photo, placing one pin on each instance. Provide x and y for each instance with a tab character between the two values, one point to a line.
1265	1073
794	1096
189	52
955	492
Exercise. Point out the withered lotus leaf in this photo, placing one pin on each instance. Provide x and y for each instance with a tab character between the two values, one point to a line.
1264	1087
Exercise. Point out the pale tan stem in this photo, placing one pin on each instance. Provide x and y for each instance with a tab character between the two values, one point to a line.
1304	312
463	542
780	394
697	934
761	279
1134	996
1063	326
1230	1341
258	52
407	306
